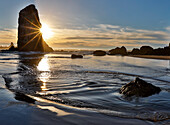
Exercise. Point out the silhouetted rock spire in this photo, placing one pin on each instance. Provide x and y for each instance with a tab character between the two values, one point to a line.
29	35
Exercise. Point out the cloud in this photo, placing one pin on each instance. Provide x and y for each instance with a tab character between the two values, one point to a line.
86	44
7	36
4	29
98	36
168	28
78	37
109	36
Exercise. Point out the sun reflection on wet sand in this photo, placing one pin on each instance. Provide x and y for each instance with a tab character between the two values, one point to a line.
43	64
44	76
56	110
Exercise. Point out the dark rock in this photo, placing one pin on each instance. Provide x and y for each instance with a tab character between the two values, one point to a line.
116	51
99	53
22	97
135	51
74	56
12	48
146	50
139	88
29	35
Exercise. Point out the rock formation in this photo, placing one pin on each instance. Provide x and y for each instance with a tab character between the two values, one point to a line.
139	88
29	35
135	51
99	53
118	51
74	56
146	50
12	47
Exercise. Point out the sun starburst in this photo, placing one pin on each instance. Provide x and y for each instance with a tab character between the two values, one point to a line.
46	31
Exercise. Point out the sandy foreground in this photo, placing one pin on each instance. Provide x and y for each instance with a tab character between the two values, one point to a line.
13	112
152	57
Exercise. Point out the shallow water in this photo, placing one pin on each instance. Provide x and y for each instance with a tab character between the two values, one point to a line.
91	83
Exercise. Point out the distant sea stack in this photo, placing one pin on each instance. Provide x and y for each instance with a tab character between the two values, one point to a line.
29	35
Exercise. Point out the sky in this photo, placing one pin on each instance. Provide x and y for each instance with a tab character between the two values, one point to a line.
93	24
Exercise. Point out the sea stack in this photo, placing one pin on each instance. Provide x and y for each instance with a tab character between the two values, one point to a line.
29	35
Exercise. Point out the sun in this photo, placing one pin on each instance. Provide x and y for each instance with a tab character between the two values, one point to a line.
46	31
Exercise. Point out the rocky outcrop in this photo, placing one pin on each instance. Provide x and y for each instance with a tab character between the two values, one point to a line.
12	47
135	51
139	88
29	35
74	56
99	53
146	50
118	51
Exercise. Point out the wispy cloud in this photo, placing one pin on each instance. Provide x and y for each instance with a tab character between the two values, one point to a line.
78	37
98	36
107	36
7	36
4	29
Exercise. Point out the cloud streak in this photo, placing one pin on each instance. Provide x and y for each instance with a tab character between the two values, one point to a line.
99	36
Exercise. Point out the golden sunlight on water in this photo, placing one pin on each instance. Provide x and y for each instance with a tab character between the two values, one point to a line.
45	74
43	64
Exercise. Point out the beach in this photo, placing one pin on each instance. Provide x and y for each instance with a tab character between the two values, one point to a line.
152	57
19	113
80	91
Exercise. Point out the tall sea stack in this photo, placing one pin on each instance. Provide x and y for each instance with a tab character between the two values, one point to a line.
29	35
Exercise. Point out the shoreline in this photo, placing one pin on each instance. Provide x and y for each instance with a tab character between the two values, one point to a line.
151	57
20	112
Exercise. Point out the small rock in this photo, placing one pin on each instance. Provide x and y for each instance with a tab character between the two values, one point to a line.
74	56
99	53
139	88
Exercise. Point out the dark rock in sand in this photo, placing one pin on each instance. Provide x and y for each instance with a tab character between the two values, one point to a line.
74	56
99	53
29	35
120	51
139	88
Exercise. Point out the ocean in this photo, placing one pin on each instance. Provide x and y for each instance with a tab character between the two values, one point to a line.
90	84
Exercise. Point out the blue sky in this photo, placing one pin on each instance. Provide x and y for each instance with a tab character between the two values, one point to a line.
96	24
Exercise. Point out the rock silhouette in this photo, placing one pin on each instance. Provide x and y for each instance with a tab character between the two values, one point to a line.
29	35
74	56
118	51
146	50
99	53
135	51
12	47
139	88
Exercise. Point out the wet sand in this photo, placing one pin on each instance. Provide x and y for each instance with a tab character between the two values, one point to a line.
17	112
152	57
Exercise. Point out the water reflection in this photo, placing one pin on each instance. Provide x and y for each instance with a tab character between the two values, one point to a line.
44	76
31	78
43	64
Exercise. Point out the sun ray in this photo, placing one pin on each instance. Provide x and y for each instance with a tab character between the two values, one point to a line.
37	42
30	41
31	33
31	28
31	23
37	20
